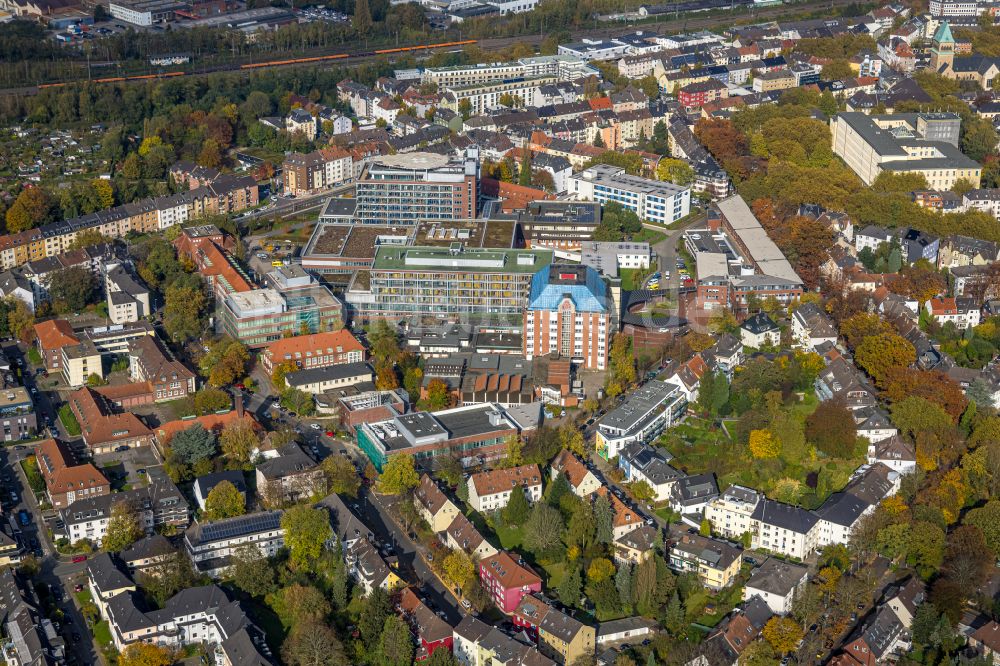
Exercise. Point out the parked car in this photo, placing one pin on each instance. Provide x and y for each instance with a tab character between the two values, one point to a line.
23	517
76	560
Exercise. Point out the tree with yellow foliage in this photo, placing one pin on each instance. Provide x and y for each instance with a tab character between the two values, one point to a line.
763	444
145	654
783	634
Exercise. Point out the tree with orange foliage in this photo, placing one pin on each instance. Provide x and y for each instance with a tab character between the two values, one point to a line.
933	385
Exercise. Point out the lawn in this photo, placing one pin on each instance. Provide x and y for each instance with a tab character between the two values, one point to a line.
34	357
102	633
554	573
629	278
648	236
83	596
68	419
510	537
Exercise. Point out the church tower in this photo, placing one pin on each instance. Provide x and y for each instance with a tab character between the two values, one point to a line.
943	50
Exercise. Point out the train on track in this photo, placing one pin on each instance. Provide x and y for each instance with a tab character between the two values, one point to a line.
277	63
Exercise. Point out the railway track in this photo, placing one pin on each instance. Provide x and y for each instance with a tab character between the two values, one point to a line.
680	23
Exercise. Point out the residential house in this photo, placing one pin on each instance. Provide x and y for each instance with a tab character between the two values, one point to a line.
160	504
507	580
462	535
432	633
962	312
776	583
583	482
331	377
732	636
716	563
811	327
896	453
290	477
906	598
51	336
637	545
560	637
368	569
478	644
880	640
433	506
642	463
103	429
731	514
491	490
784	529
760	331
689	495
203	485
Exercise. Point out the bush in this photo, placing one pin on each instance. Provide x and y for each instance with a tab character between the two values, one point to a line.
34	476
69	421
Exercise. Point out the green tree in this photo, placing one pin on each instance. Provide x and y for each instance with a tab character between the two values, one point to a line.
72	289
543	529
524	170
517	509
362	21
395	646
313	644
675	171
210	400
375	609
925	547
571	587
399	475
604	519
193	444
783	634
299	604
251	571
239	441
306	529
979	138
341	476
224	501
123	528
184	307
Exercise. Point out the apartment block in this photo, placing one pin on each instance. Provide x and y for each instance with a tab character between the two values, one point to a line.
653	200
491	490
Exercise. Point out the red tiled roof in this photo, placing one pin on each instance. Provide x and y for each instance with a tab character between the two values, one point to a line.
55	334
316	344
209	422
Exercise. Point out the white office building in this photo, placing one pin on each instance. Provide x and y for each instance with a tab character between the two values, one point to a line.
652	200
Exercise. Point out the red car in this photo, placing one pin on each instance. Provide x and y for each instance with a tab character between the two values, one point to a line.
329	433
79	558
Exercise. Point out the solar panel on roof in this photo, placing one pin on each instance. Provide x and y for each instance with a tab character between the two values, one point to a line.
259	522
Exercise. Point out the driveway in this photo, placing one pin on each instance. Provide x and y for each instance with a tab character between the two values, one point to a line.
666	249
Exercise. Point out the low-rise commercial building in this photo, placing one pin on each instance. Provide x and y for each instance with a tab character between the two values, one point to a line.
313	351
476	433
330	378
65	481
